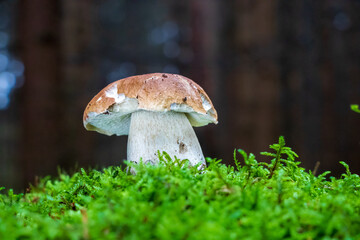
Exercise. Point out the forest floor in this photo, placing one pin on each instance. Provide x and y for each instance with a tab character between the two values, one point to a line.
253	200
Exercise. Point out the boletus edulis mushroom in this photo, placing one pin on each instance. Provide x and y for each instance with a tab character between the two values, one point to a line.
157	111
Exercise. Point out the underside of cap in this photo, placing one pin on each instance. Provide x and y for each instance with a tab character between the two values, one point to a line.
109	112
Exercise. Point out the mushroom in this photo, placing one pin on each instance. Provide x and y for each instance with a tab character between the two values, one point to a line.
157	111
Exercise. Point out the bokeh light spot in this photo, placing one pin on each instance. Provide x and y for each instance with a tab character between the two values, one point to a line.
125	69
16	67
171	49
4	60
156	36
4	100
4	39
170	29
7	81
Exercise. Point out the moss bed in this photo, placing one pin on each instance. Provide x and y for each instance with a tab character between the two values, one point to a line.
253	200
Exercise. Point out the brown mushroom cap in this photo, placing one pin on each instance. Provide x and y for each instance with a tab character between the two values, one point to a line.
109	111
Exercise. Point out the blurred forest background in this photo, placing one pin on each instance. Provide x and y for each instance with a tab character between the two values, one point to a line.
271	68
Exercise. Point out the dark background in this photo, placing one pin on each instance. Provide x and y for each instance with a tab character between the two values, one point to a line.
271	68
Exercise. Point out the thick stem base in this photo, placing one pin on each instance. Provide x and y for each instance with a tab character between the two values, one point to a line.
164	131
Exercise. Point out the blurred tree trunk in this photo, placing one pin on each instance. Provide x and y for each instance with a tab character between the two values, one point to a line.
318	59
301	91
204	17
248	59
286	30
310	102
58	54
341	49
78	53
39	26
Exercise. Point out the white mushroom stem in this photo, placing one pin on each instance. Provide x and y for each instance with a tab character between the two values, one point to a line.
164	131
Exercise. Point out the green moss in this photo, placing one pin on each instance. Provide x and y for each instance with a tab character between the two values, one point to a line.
254	200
